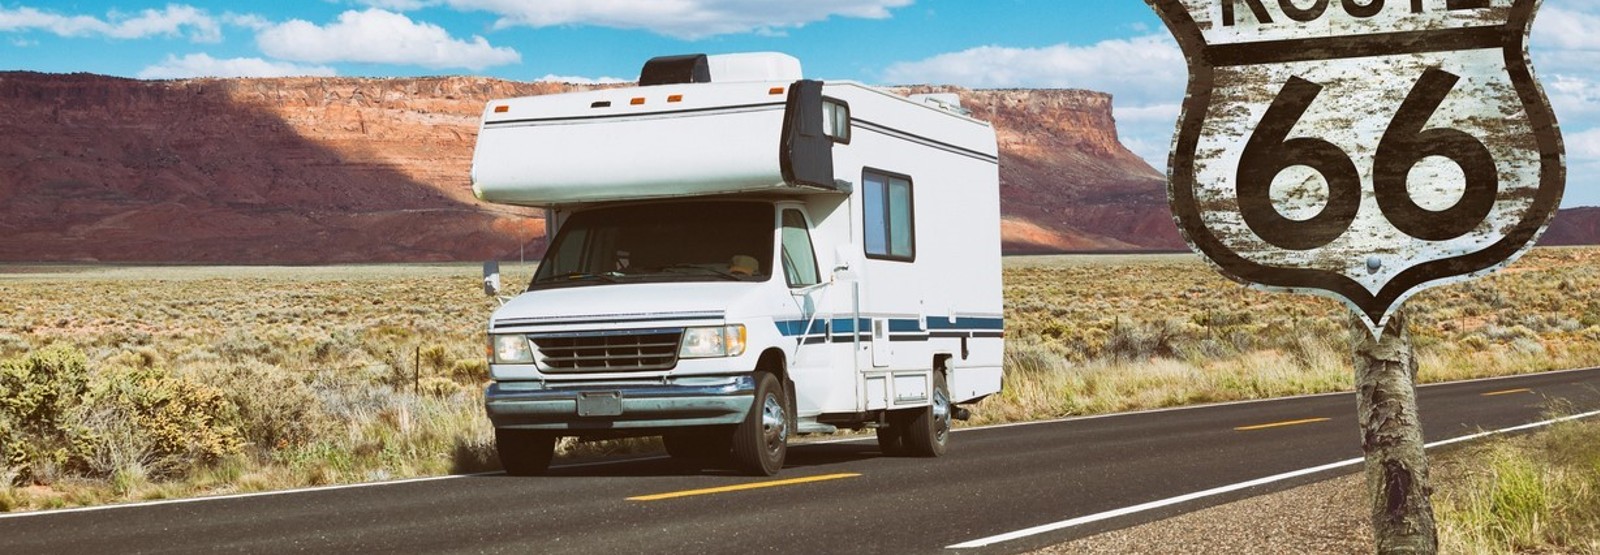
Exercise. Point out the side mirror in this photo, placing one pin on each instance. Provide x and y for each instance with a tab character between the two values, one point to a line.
491	278
844	263
843	255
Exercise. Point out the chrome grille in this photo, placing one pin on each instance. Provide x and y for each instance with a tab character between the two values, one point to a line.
619	351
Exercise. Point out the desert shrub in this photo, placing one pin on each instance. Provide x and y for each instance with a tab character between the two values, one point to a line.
1030	358
58	419
470	370
39	394
116	446
439	387
137	357
274	408
434	358
11	344
179	417
1134	341
241	345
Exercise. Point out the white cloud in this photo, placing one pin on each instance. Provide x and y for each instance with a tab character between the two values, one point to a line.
1574	98
248	21
1146	70
1566	55
203	65
1145	75
397	5
1558	27
379	36
173	21
1166	114
686	19
1583	163
1584	144
553	78
1147	130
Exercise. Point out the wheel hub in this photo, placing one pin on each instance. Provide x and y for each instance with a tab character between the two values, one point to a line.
941	415
774	423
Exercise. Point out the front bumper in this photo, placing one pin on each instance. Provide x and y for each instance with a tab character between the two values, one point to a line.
684	402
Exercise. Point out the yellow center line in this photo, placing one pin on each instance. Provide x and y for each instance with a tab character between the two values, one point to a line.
743	487
1280	424
1506	392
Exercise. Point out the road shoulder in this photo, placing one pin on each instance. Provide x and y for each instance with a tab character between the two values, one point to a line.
1322	517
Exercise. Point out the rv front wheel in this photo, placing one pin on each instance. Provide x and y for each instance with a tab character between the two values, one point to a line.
524	452
927	433
761	442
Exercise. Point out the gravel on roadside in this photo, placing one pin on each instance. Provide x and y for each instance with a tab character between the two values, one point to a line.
1327	517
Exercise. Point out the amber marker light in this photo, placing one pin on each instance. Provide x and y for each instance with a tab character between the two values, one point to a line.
775	90
501	109
675	98
637	101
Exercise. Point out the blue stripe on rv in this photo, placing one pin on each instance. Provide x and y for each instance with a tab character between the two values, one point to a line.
792	328
966	324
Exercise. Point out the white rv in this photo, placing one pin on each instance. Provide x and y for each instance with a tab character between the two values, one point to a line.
739	255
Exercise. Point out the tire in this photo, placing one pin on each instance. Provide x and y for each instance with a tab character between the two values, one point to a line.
524	452
698	445
761	442
927	432
891	441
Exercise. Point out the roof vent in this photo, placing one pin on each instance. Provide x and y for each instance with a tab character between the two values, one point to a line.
670	70
721	68
949	102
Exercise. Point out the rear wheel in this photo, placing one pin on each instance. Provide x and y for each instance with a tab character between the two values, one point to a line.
928	431
761	442
524	452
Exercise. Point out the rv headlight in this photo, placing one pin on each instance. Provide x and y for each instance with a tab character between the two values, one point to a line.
720	341
512	349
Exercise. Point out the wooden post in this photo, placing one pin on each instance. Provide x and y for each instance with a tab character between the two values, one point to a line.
416	372
1391	437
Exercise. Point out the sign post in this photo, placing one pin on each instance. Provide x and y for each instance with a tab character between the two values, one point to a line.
1364	150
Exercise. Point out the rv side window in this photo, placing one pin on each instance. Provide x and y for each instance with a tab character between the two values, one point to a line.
799	260
836	120
886	209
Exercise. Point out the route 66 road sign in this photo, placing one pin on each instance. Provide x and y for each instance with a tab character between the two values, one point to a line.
1361	149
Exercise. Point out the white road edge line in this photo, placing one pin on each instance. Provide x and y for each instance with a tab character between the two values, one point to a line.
295	491
1036	530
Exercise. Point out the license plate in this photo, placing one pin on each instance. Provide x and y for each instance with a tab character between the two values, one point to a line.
600	403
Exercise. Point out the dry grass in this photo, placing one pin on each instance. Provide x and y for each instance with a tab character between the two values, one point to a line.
319	362
1530	494
1149	332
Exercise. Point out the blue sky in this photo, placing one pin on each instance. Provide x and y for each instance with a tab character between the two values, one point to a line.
1117	46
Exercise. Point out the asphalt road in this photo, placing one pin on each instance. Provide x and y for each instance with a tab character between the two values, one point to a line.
831	498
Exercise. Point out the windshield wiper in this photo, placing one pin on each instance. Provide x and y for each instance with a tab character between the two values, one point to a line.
574	276
723	273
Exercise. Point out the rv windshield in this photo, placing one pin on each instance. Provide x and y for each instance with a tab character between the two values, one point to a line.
681	241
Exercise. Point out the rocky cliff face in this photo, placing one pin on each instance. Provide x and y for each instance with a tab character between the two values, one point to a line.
248	170
1066	181
1573	226
312	170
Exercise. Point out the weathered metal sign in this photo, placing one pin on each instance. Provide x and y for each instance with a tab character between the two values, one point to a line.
1362	149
